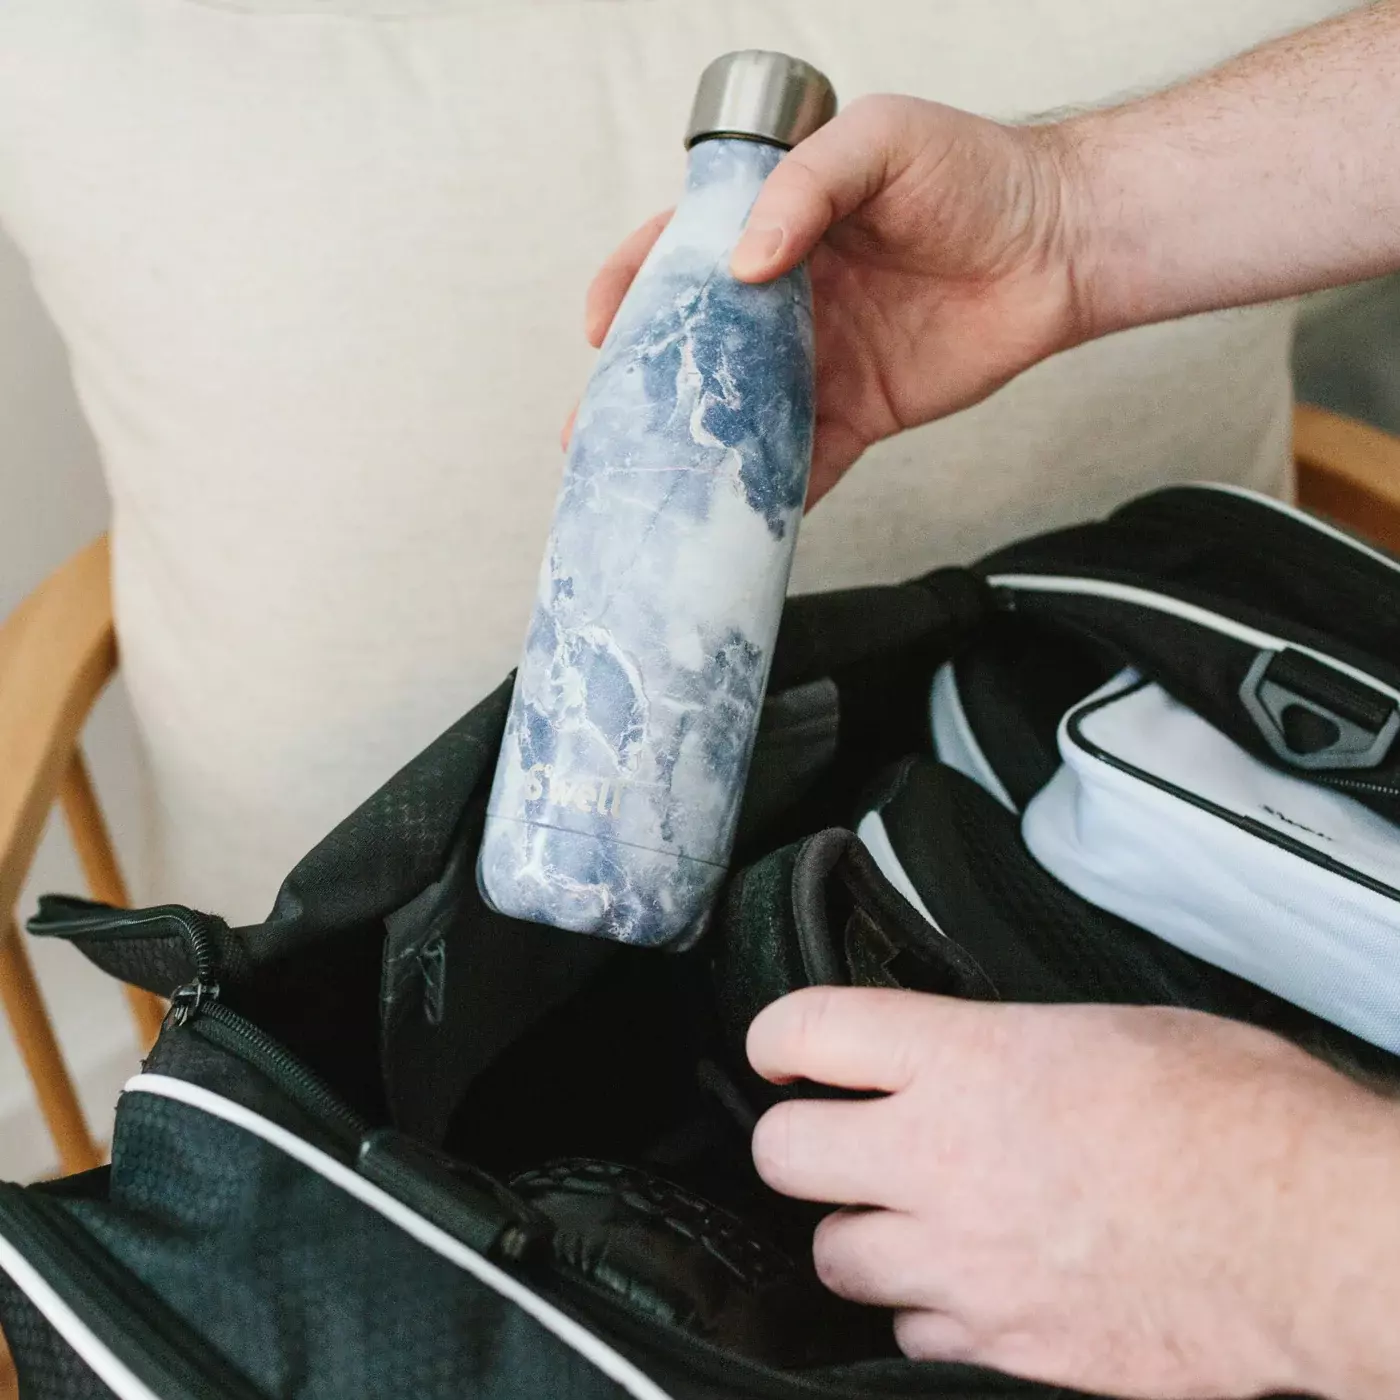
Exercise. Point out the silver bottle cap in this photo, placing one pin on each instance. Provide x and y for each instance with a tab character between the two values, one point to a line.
760	95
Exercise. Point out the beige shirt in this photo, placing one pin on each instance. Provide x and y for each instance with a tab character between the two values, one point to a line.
320	267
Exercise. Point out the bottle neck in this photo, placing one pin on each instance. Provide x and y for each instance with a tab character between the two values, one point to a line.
731	160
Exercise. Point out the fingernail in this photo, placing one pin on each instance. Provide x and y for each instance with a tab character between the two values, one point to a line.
757	249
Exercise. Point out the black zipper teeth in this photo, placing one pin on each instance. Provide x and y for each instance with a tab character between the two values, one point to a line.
236	1033
194	926
202	948
137	1326
1358	785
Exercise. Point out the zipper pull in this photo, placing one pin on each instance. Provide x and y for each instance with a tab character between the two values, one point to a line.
186	1001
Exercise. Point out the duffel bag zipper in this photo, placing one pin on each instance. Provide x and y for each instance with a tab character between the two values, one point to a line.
65	917
187	1000
68	917
199	998
457	1203
207	1016
197	1002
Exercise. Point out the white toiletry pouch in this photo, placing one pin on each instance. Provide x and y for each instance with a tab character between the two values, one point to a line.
1158	817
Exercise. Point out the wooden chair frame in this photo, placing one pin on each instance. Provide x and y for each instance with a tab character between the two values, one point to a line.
58	650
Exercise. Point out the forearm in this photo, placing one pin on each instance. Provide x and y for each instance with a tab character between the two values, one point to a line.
1347	1321
1276	174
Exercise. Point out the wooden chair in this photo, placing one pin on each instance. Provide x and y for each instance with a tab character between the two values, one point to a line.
58	650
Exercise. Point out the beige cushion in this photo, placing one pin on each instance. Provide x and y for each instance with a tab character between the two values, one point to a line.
319	267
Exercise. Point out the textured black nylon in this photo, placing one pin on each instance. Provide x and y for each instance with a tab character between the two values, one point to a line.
382	972
47	1368
310	1292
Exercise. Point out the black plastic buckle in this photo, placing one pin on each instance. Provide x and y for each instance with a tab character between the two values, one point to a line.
1314	716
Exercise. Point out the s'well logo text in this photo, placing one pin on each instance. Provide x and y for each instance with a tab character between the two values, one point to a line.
587	795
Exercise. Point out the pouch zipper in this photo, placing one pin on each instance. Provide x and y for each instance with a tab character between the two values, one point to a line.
1073	730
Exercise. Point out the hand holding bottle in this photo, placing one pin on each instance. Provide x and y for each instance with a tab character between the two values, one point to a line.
942	263
948	252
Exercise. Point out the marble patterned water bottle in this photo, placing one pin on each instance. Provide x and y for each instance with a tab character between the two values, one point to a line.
637	699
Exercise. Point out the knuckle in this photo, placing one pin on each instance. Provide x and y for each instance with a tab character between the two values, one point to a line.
831	1254
883	116
774	1144
815	1011
797	181
909	1334
924	1336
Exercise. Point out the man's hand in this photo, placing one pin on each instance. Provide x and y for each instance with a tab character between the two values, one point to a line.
948	252
941	260
1133	1201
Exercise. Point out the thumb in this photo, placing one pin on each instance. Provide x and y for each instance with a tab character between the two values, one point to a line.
818	183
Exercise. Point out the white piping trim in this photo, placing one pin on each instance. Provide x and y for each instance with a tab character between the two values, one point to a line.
953	739
1302	517
1188	612
94	1353
593	1349
877	841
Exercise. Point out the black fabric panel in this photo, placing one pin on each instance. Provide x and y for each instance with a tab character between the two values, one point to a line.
1281	565
605	1074
798	743
826	632
1245	561
1239	552
393	846
148	948
303	1289
1015	682
879	648
461	984
47	1367
1036	939
320	999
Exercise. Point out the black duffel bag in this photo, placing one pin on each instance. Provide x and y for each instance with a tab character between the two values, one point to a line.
391	1144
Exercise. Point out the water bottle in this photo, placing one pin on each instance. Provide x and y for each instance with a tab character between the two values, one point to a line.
620	776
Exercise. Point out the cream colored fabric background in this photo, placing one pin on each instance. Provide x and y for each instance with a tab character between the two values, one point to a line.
319	270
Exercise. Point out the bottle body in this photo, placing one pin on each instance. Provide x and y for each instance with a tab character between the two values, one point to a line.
621	773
